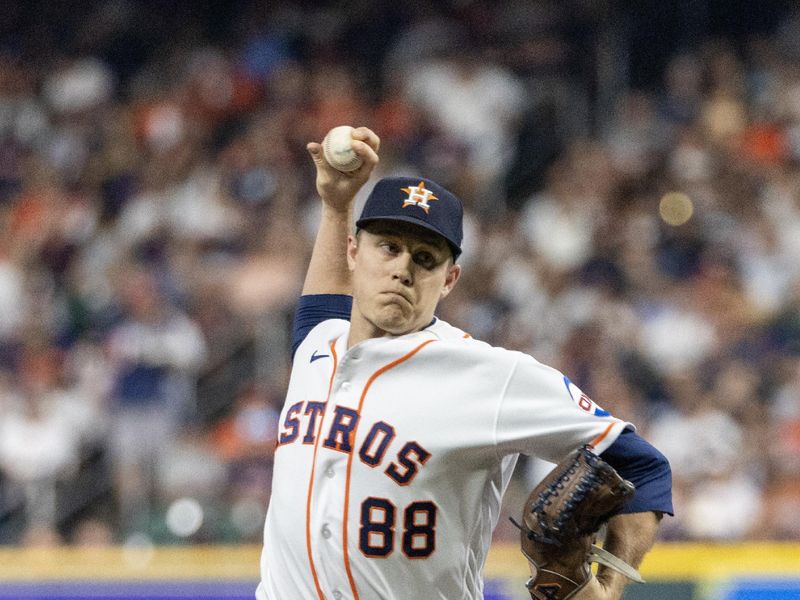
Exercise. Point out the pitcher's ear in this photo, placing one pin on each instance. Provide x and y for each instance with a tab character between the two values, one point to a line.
453	274
352	249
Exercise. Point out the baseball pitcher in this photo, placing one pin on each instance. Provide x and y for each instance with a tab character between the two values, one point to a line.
400	432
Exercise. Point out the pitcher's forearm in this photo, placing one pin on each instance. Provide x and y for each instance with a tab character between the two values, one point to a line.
327	270
629	537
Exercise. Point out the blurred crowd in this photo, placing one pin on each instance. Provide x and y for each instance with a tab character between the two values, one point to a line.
157	206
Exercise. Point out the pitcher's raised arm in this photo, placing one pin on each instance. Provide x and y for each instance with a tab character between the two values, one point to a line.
327	270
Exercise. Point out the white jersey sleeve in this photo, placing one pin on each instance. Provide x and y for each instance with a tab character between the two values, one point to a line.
542	413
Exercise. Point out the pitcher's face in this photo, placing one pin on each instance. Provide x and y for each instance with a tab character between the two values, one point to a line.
400	273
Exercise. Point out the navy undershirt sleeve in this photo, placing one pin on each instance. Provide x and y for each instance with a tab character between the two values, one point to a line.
643	465
316	308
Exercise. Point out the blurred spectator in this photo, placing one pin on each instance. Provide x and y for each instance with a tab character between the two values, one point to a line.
781	502
155	351
246	440
47	407
474	103
722	509
560	222
783	421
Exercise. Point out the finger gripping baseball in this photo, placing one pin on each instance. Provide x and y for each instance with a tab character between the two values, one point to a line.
561	518
337	147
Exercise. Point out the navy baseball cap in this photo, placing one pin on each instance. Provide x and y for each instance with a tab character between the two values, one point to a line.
419	201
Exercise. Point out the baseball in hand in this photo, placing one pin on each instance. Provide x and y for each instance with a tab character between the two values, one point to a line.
338	149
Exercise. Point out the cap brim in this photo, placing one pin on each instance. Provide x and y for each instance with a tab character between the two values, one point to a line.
414	221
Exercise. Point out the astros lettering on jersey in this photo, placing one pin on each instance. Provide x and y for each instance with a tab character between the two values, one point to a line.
393	457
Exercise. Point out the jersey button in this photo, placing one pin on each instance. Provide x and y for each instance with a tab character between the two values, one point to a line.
326	531
329	473
337	594
345	386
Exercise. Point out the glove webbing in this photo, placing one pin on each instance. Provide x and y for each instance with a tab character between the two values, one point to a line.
584	486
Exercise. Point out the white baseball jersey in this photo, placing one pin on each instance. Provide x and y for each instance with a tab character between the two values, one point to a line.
393	457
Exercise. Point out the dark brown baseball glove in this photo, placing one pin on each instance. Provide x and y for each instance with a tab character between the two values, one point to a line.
560	522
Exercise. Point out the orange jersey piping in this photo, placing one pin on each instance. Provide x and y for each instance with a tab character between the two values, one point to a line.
602	436
372	378
311	479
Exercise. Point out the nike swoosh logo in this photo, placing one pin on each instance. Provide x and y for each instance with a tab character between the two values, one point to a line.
315	356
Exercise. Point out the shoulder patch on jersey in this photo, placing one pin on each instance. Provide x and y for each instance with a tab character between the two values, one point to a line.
583	401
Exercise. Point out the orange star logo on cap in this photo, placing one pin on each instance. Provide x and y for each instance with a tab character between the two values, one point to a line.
418	196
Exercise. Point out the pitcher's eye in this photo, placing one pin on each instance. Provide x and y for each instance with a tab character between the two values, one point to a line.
425	259
389	247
